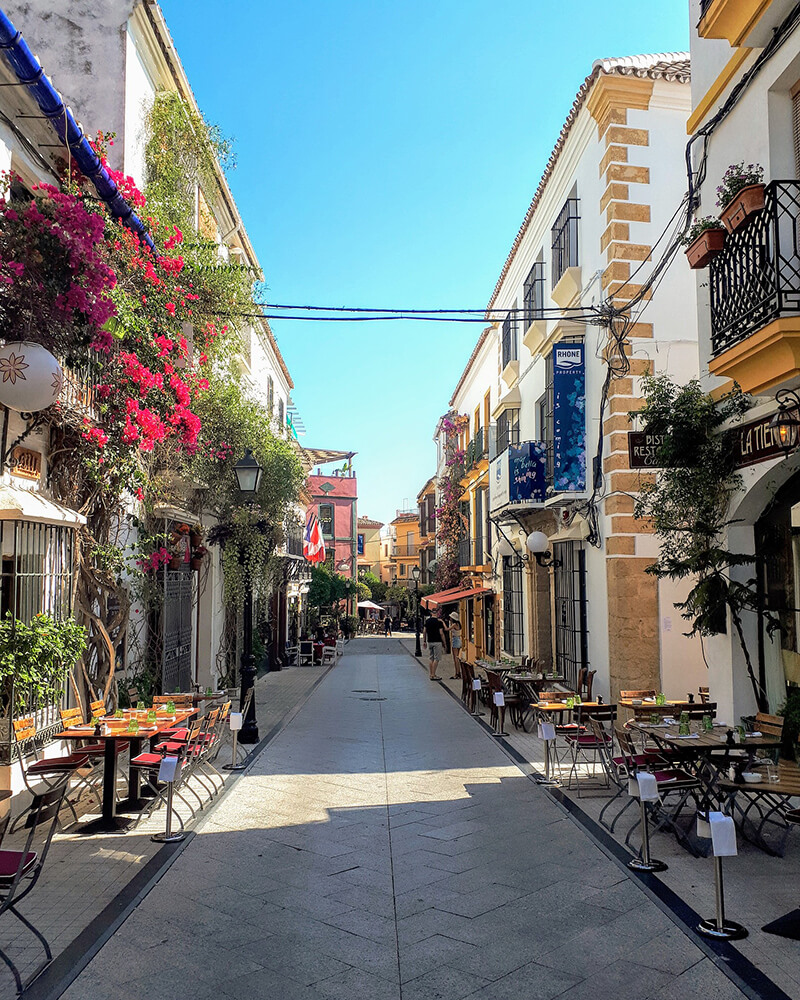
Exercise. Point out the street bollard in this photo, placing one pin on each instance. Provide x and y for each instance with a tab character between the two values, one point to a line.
235	720
645	787
547	733
476	688
167	773
723	842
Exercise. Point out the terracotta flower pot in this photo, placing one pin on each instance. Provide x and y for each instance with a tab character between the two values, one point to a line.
743	206
175	562
195	538
196	563
707	245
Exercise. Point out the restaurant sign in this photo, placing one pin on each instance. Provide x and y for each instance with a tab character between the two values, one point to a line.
753	442
643	449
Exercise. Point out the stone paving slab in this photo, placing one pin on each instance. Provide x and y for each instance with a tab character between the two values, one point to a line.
759	887
83	875
345	829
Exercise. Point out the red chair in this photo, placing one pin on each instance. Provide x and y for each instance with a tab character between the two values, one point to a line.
20	870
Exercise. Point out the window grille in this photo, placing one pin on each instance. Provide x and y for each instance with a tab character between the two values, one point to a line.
509	339
796	128
533	301
571	629
37	574
507	430
512	606
564	239
326	518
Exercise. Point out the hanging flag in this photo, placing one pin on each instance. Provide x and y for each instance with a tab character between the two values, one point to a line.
313	542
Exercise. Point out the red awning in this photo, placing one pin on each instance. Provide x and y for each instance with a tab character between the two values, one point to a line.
453	596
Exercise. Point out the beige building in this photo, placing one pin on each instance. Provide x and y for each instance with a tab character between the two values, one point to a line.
368	546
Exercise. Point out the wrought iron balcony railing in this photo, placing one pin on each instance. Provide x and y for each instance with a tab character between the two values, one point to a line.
471	552
476	449
405	549
756	278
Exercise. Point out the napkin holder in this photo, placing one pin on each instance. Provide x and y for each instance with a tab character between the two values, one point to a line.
723	844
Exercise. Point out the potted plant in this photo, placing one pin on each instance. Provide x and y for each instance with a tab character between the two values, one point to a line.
176	560
741	194
196	536
704	240
197	557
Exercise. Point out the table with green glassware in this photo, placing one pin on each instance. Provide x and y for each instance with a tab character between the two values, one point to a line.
130	726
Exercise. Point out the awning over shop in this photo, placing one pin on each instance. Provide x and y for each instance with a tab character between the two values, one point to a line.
26	505
453	596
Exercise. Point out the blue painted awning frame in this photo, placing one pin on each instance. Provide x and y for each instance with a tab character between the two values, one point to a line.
30	73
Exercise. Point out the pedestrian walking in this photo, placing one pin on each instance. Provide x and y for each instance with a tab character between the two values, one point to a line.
435	633
455	644
387	626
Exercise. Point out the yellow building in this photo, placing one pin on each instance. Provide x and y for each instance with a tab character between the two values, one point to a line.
426	504
368	546
405	545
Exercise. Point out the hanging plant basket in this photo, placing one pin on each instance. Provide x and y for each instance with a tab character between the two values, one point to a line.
196	563
176	561
743	206
706	246
195	538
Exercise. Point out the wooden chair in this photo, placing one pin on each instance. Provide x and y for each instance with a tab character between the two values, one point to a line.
97	708
703	693
628	695
582	743
698	711
181	700
468	693
582	680
497	713
589	683
51	771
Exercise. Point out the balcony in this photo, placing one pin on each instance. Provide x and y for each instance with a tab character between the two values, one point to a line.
742	22
754	287
477	450
294	541
407	549
471	552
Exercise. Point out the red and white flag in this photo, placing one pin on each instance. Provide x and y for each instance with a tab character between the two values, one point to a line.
313	542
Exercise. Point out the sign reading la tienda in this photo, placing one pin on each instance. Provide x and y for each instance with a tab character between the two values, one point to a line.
569	418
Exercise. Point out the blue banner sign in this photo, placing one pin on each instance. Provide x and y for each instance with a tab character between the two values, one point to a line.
527	467
569	418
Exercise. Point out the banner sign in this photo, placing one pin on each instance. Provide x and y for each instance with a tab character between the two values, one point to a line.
569	418
643	449
527	466
518	475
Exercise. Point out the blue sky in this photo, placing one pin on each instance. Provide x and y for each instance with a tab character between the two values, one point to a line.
387	153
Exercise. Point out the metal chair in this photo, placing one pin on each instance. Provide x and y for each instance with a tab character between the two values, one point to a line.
328	656
597	739
293	656
306	654
20	870
51	771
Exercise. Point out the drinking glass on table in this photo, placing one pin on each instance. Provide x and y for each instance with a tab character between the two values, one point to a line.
708	724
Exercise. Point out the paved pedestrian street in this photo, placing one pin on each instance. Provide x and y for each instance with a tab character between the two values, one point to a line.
383	846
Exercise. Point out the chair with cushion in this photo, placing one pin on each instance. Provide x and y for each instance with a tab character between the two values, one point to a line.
589	738
306	657
328	656
20	869
497	713
50	771
150	761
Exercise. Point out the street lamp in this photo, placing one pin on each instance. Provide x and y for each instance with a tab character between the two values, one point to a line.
248	476
415	574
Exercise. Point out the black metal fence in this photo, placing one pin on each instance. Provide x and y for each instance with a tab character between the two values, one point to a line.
513	618
756	278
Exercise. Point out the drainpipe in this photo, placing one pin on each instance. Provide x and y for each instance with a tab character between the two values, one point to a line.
29	72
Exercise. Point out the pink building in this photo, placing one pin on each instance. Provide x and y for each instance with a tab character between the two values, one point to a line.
334	499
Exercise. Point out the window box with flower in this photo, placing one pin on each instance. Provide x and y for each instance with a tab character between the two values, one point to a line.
704	240
741	194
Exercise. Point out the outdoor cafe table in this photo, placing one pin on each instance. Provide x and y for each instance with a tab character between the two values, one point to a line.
704	747
109	822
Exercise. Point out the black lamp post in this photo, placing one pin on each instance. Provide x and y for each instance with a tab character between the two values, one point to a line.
248	476
415	575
